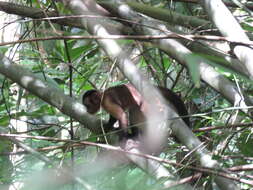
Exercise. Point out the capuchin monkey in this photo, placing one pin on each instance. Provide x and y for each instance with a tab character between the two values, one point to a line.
126	105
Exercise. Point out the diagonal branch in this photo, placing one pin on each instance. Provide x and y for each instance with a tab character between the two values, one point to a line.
217	12
49	94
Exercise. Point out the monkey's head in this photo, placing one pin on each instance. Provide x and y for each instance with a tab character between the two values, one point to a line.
92	101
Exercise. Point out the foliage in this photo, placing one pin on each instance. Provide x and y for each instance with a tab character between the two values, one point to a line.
79	65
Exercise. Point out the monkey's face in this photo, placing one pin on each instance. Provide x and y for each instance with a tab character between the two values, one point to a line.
92	103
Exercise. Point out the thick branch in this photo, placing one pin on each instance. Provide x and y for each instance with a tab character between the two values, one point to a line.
49	94
65	20
36	13
170	16
229	27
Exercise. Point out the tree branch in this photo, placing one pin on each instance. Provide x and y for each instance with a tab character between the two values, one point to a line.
49	94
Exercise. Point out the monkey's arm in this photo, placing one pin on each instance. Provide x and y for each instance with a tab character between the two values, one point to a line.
117	112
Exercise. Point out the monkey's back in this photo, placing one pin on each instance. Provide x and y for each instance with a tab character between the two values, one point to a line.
124	95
